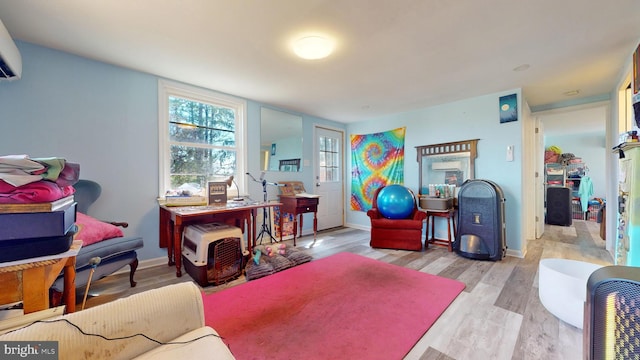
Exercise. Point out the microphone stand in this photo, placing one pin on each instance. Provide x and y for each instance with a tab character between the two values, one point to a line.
265	229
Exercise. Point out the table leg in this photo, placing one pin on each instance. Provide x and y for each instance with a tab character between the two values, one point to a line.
251	237
433	227
169	230
301	225
280	223
315	225
300	230
69	286
177	254
35	293
295	227
449	233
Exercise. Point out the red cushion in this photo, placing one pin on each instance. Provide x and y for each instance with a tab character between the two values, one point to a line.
92	230
396	223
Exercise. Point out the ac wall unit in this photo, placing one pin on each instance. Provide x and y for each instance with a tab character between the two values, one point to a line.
10	59
446	165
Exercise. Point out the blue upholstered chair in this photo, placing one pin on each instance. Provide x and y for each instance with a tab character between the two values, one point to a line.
114	253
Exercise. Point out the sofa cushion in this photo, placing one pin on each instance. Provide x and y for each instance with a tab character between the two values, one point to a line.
163	314
209	346
91	230
396	224
107	249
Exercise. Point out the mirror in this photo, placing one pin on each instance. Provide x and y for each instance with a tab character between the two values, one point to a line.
280	141
446	164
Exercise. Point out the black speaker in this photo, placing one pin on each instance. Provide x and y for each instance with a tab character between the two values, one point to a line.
558	206
481	232
612	314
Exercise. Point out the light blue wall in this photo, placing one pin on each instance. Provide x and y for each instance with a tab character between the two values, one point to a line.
106	119
474	118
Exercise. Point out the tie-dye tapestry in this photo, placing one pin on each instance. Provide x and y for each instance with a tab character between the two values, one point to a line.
376	160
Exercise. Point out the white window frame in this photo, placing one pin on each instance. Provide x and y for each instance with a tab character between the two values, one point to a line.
167	88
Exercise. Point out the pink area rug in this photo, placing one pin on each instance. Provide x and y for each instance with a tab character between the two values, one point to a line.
344	306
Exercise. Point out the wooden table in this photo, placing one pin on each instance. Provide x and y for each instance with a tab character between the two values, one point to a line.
174	219
297	205
450	216
29	280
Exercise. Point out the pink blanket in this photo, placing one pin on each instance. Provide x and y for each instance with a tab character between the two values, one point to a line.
35	192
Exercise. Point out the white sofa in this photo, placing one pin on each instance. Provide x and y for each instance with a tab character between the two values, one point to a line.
169	314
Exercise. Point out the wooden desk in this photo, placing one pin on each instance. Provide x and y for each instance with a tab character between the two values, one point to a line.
297	205
29	280
174	219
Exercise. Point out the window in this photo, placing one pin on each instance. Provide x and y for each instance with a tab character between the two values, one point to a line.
202	138
329	155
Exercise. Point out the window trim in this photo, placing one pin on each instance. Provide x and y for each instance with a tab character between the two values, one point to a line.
168	88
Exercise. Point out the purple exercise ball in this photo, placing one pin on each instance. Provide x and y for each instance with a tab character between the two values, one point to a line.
395	202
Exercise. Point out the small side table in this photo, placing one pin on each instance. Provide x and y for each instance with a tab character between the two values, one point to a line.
451	221
298	205
29	280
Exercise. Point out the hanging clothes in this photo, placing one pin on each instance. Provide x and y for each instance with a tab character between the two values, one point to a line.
585	191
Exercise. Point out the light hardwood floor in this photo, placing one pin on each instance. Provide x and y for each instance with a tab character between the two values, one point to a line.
497	316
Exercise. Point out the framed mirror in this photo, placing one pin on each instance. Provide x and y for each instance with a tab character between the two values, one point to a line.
446	165
280	141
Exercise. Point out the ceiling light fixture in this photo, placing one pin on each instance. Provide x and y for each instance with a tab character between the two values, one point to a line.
313	47
571	93
522	67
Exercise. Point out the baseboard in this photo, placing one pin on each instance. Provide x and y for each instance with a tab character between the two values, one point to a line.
515	253
358	226
145	264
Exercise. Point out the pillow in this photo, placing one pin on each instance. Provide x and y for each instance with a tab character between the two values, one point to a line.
255	271
296	256
91	230
279	262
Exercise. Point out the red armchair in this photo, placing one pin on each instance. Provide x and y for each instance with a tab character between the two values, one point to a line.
403	234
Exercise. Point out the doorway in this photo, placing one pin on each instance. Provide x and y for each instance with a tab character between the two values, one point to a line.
579	131
329	176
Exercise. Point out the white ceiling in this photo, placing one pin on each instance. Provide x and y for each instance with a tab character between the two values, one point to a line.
392	56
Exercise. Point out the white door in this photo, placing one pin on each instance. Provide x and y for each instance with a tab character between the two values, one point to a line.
539	181
329	175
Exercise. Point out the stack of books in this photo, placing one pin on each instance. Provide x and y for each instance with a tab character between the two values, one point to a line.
194	200
56	205
32	230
